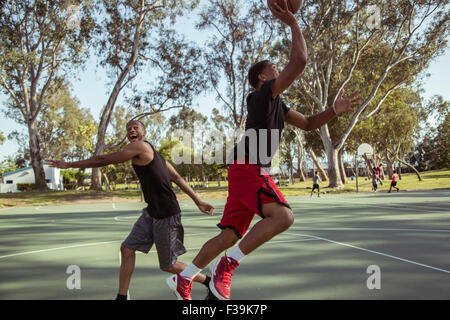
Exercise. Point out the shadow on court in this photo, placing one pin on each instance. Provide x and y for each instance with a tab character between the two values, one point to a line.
324	255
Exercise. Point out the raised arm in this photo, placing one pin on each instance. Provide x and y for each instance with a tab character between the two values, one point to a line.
179	181
298	54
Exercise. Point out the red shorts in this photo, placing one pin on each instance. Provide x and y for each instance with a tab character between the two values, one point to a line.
249	187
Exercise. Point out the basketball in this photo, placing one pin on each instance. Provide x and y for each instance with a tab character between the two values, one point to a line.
293	5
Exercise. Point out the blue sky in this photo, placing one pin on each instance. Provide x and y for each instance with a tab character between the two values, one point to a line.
92	92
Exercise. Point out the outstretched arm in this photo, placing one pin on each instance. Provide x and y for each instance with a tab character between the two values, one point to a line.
127	153
316	121
179	181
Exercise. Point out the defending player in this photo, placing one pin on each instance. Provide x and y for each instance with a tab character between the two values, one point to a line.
160	222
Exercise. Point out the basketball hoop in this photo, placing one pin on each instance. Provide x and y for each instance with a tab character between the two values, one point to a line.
364	149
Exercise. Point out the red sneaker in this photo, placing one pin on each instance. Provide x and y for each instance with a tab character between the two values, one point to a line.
180	286
221	272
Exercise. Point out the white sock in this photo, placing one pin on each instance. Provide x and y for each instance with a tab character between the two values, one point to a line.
190	272
237	254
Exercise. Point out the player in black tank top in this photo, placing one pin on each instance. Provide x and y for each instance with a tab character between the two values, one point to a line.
156	186
161	217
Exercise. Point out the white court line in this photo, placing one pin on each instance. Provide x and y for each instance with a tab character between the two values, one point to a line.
393	207
369	229
269	242
83	245
300	240
107	242
60	248
128	218
378	253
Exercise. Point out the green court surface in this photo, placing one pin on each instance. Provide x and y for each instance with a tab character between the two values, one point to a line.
324	255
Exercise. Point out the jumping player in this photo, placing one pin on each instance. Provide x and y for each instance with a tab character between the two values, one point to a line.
160	222
251	190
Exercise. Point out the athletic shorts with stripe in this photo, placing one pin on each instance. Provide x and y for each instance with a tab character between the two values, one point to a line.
249	187
167	234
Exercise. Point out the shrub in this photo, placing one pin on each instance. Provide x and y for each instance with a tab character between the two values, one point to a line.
25	186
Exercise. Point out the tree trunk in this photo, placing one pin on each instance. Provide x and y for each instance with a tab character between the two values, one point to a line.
388	165
108	110
291	175
300	173
368	164
319	168
283	173
300	154
96	182
36	159
333	169
341	167
412	167
300	160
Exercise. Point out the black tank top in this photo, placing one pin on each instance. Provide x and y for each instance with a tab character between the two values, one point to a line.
157	187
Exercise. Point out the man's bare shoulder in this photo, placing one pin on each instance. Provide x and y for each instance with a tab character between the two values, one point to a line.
141	146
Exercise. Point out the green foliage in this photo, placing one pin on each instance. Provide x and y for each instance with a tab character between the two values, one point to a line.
393	127
432	151
8	165
38	49
25	186
240	36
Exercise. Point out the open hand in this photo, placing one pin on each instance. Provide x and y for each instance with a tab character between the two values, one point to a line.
283	14
206	208
347	104
58	164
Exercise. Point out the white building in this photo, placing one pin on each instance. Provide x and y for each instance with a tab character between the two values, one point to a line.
26	175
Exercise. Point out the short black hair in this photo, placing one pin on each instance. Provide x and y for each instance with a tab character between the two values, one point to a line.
135	120
255	71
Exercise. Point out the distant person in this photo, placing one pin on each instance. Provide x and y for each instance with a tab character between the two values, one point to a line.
160	222
374	180
394	181
380	174
316	180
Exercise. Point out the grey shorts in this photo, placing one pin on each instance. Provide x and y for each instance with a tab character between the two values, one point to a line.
167	234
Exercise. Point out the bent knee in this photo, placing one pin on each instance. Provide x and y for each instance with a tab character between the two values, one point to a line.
227	238
286	219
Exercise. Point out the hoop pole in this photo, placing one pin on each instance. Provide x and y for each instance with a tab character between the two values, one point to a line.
356	166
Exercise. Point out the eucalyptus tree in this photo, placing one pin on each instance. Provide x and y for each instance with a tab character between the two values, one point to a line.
376	46
41	43
134	37
241	34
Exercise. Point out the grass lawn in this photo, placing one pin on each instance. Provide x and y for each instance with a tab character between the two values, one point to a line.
431	180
